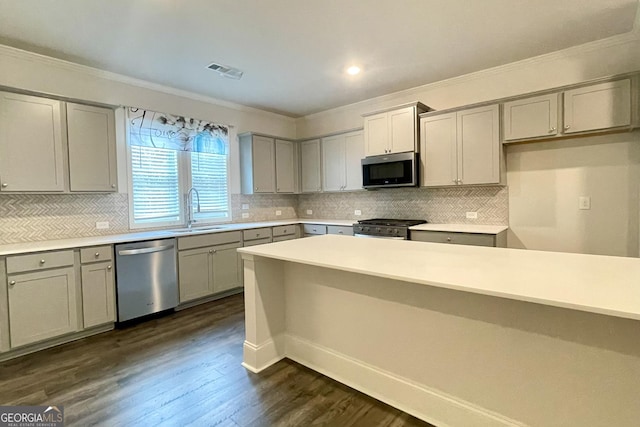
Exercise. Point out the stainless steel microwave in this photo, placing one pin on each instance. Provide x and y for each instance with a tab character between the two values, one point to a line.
390	170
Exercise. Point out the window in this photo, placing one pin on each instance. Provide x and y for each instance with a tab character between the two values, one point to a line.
168	155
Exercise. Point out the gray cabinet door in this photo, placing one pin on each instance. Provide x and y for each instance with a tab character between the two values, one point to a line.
285	167
479	146
194	273
472	239
98	294
42	305
438	151
92	148
31	144
354	152
376	134
264	176
600	106
226	269
310	166
402	130
531	117
333	163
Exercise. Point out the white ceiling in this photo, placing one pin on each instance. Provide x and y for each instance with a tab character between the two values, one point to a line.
294	52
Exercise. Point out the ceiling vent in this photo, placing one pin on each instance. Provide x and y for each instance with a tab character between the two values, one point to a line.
226	71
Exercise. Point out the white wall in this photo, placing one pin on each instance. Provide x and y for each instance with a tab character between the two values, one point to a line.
27	71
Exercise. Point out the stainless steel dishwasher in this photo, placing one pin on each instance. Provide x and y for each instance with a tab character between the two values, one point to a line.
146	278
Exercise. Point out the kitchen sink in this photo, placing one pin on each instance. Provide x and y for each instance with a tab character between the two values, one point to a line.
196	229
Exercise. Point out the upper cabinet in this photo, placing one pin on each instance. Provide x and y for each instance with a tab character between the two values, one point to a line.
92	148
531	117
584	109
267	164
310	177
461	148
31	144
41	151
601	106
341	156
393	131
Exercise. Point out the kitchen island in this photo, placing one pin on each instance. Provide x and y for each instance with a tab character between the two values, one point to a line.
455	335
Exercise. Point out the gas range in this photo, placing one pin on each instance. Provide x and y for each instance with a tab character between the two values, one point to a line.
397	229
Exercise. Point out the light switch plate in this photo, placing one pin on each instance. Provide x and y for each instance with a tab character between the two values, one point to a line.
472	215
245	206
584	202
278	213
357	212
309	212
102	225
245	215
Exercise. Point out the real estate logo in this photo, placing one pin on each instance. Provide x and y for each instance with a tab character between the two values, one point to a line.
31	416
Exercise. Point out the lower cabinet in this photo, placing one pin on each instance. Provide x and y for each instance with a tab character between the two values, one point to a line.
206	271
474	239
345	230
42	305
98	294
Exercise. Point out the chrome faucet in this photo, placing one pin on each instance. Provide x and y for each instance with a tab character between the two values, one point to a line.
190	219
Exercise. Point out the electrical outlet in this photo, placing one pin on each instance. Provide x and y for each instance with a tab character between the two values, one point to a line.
357	212
584	202
309	212
245	206
278	213
102	225
245	215
472	215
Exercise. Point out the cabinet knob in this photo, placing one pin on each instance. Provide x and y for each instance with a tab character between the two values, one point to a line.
97	254
5	185
257	234
13	282
108	267
340	232
552	130
567	126
285	230
256	189
215	251
448	239
42	261
210	251
277	189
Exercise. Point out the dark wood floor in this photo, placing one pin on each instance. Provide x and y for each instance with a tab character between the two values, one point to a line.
184	369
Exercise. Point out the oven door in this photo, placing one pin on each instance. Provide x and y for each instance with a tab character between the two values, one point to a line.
391	170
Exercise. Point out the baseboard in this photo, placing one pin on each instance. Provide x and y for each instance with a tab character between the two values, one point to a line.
259	357
430	405
32	348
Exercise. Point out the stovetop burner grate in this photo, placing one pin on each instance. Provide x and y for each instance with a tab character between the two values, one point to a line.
392	222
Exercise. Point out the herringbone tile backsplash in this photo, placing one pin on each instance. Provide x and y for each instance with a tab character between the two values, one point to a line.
26	217
436	205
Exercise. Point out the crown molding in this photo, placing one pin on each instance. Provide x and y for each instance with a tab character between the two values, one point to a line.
25	55
632	36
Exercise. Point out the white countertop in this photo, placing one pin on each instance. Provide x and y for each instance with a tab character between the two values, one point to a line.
50	245
599	284
461	228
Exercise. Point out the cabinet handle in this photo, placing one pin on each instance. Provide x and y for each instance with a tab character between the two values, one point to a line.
257	234
5	185
108	267
97	254
13	282
42	261
340	232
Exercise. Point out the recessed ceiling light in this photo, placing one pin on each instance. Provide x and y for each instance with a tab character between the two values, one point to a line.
353	70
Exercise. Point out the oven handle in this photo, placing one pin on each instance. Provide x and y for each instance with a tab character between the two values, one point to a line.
368	236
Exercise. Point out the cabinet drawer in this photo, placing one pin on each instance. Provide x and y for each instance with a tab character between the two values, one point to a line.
257	242
96	253
340	229
39	261
455	238
203	240
283	238
284	230
315	229
256	233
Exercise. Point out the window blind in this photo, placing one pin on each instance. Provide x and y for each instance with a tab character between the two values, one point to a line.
156	184
209	177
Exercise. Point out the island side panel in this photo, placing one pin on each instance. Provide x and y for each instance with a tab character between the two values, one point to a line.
264	312
457	358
